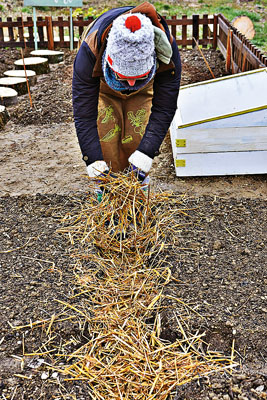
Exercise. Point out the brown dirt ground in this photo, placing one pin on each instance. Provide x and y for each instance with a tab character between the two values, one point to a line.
219	256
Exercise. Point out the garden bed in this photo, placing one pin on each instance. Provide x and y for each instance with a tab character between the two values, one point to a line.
218	260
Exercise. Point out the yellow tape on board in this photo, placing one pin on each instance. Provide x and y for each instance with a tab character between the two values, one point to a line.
180	142
180	163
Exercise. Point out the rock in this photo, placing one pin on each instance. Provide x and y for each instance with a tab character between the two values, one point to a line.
44	376
260	388
36	363
217	245
246	251
4	116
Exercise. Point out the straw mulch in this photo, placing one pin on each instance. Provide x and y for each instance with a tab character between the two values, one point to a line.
122	270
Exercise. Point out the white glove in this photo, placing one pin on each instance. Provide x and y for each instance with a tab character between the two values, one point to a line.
141	161
97	168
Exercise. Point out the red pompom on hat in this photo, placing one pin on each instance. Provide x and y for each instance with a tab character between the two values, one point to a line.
133	23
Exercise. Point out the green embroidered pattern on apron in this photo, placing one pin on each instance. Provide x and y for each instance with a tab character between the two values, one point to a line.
138	121
108	111
111	134
127	139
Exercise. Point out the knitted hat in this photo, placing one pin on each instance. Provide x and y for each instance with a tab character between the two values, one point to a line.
130	47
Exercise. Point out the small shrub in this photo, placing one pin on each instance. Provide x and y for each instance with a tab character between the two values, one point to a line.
1	7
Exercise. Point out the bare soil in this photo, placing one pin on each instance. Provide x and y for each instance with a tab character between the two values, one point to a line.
220	261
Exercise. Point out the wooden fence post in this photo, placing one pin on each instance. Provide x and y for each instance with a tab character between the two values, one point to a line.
40	29
228	51
205	31
20	29
10	30
50	36
184	32
1	32
215	32
195	30
80	18
174	28
30	29
61	32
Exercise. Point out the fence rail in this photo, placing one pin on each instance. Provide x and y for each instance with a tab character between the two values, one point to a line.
206	31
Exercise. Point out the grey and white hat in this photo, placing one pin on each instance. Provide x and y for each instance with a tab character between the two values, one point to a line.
130	47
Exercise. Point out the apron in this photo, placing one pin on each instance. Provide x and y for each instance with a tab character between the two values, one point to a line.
121	123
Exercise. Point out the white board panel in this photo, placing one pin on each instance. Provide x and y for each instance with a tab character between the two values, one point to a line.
221	97
221	140
232	163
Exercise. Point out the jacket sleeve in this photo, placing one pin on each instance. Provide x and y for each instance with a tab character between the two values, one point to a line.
164	104
85	93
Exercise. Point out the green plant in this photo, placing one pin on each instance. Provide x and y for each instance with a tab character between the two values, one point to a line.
43	8
1	7
89	13
260	37
27	10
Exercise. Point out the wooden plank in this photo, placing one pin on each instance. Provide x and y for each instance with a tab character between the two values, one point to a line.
20	29
173	28
10	30
228	51
205	30
221	47
215	32
50	36
1	32
80	18
187	21
184	33
12	44
40	28
221	139
83	23
30	29
223	26
206	21
61	29
184	43
228	163
195	30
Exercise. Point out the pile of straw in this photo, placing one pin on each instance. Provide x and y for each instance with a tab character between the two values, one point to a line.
124	239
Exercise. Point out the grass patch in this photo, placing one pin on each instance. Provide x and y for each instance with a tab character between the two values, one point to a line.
27	10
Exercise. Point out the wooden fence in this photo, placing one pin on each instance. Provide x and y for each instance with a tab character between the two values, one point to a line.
206	31
240	54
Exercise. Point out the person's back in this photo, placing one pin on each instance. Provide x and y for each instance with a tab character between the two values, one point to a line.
125	87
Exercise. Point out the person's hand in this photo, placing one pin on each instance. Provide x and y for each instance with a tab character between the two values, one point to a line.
97	168
140	161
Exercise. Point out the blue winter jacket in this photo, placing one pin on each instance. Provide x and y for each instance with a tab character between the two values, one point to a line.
86	83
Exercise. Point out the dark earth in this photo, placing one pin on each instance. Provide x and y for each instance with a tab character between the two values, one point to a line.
219	256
